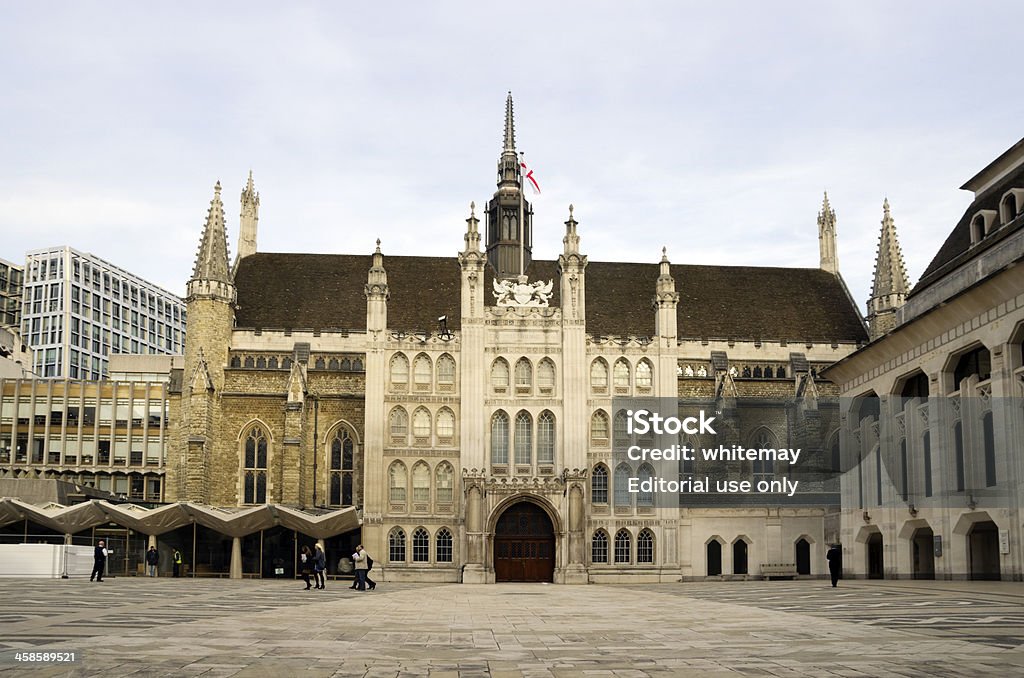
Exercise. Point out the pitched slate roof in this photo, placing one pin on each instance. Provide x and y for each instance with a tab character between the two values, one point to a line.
957	250
324	291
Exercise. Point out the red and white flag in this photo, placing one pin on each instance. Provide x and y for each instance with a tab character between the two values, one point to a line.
528	174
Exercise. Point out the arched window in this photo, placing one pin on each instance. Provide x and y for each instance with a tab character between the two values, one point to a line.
599	547
599	485
546	376
255	467
757	372
1008	207
443	548
644	374
645	546
445	425
714	558
780	372
619	429
622	476
396	545
645	472
420	545
499	376
524	438
524	376
399	372
421	424
599	428
445	373
342	467
499	438
739	557
546	438
599	376
620	376
423	373
622	546
445	483
397	483
764	469
973	363
421	483
398	424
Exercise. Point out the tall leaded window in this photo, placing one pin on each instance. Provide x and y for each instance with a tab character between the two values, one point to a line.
599	428
499	376
423	373
420	545
421	423
524	438
645	498
397	482
342	467
398	424
764	469
396	545
255	471
399	371
421	483
599	547
499	438
644	376
546	438
622	546
620	375
445	373
444	483
546	376
599	485
645	546
619	429
599	376
443	546
445	424
622	476
524	376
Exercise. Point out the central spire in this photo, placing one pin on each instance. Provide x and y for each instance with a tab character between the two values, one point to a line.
509	215
510	126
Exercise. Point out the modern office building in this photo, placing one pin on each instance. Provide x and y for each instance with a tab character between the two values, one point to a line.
11	276
78	310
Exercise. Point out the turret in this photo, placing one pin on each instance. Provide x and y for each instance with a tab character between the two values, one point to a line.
509	215
889	291
827	238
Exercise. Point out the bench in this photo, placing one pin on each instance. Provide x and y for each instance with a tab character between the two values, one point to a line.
778	570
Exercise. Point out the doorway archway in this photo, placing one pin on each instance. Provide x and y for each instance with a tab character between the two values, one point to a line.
983	550
524	545
876	560
922	545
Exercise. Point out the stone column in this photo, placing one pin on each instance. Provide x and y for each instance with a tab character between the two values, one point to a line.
474	573
236	558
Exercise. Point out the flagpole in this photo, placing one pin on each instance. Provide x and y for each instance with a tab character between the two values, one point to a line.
522	223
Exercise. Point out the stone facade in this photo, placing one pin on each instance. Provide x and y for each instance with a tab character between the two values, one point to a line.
932	415
443	395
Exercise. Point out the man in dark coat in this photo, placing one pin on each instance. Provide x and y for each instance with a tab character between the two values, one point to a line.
835	562
99	561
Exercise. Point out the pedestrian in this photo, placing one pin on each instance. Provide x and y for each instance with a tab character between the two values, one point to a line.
319	565
177	563
363	564
99	561
152	560
305	565
835	562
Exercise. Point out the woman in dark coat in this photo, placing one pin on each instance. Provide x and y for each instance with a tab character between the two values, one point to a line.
835	562
306	565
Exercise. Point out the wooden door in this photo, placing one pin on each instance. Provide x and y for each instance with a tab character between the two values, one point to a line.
524	545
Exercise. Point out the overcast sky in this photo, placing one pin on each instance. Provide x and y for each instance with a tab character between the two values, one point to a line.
710	128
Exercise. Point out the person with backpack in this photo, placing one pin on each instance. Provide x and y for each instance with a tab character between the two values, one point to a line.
319	565
363	564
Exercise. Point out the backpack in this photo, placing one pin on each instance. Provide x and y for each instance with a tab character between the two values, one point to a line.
369	563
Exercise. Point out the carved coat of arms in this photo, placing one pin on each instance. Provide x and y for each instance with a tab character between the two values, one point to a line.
522	293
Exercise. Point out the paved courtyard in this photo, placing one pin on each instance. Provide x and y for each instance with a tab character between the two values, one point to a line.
215	628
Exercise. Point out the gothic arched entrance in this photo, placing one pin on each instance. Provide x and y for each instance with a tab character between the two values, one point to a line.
524	544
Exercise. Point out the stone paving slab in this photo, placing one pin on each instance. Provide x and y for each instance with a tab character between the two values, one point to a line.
220	628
